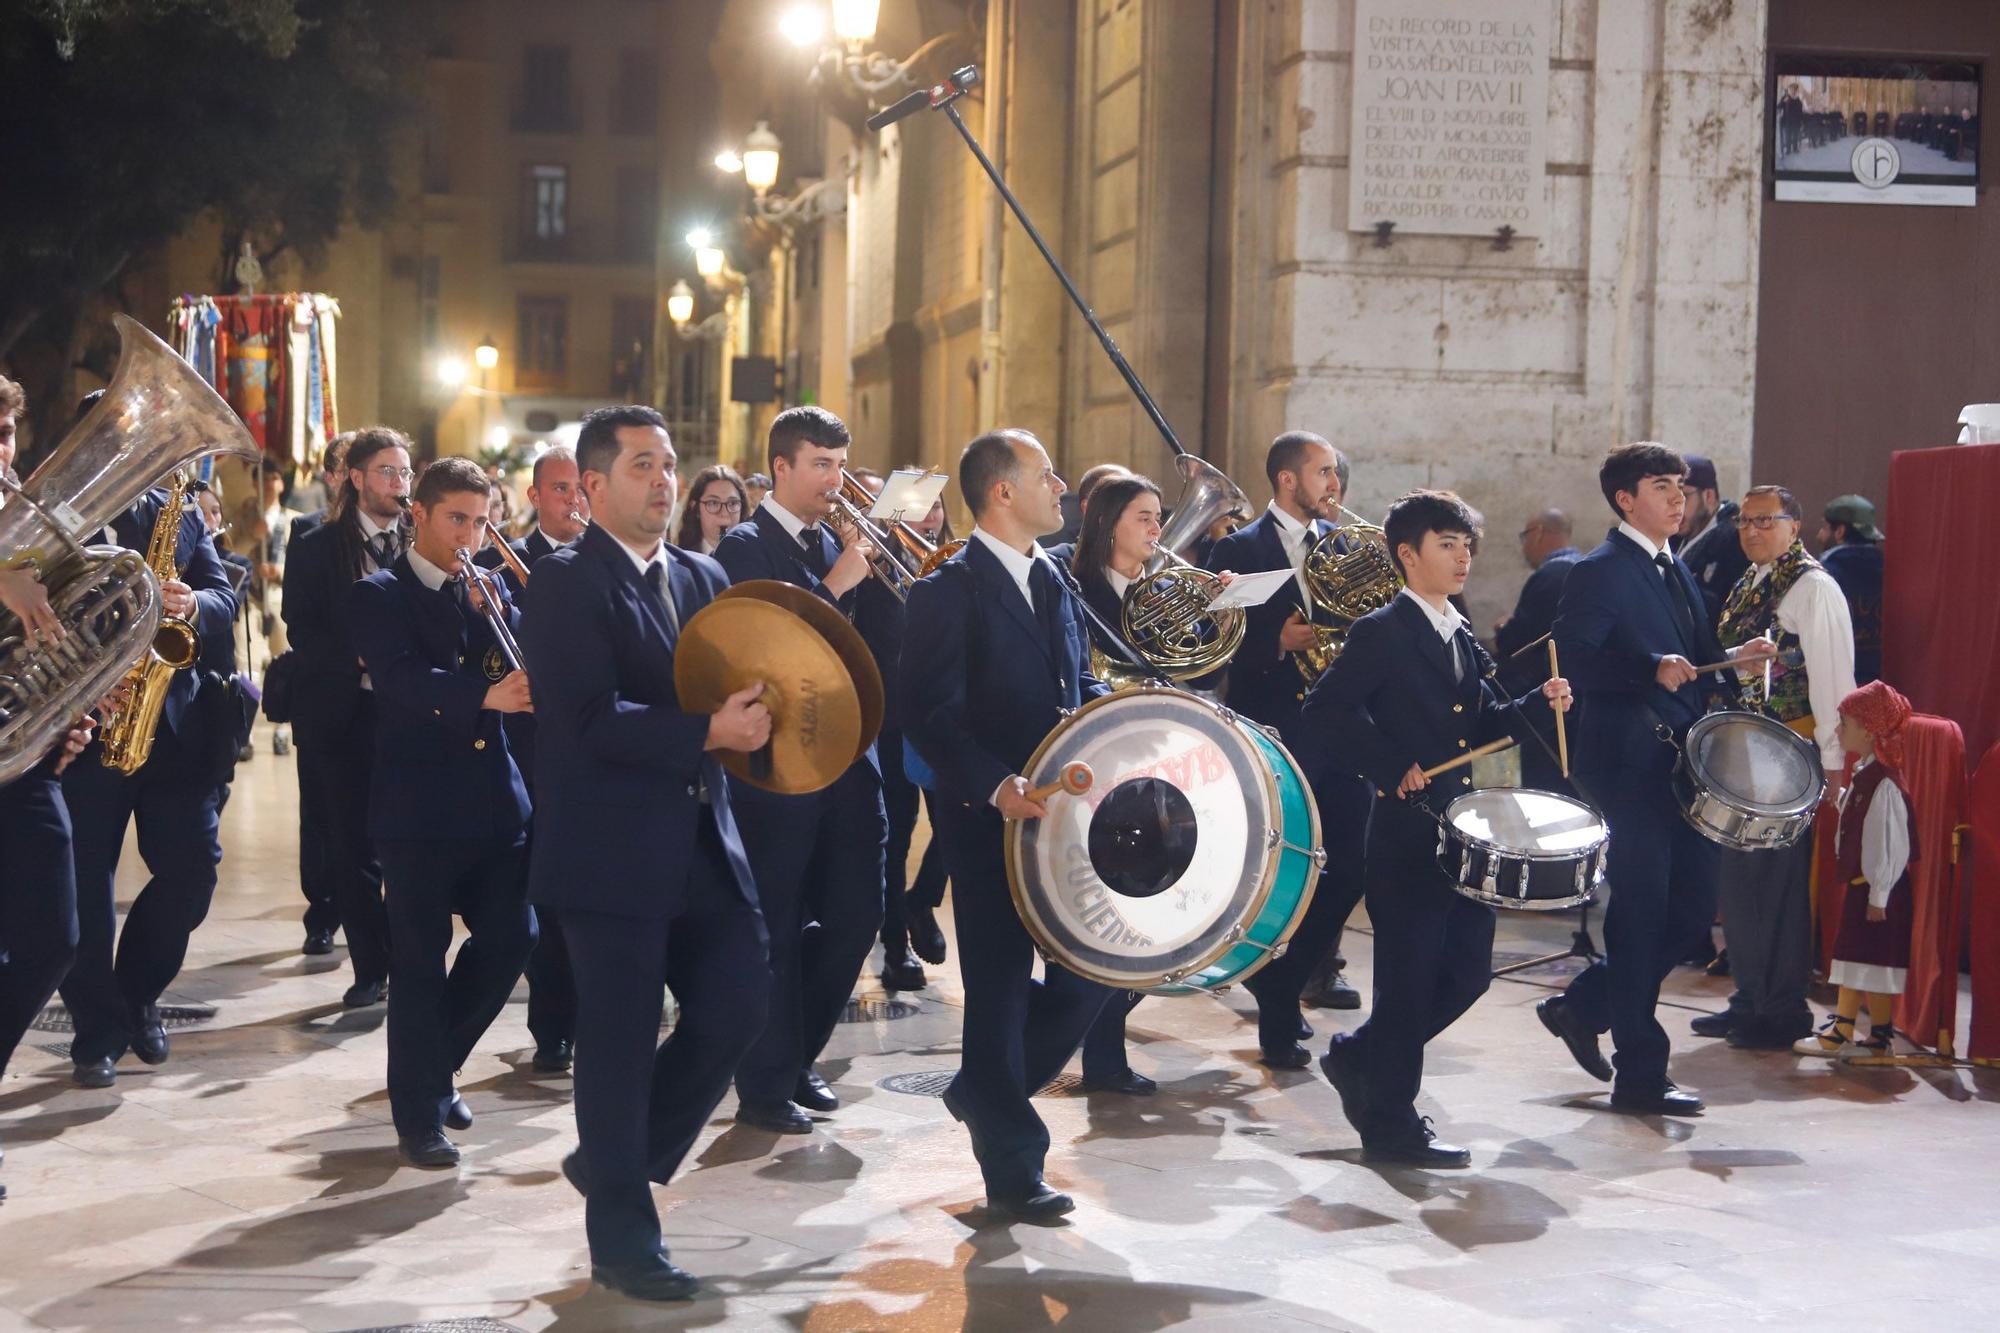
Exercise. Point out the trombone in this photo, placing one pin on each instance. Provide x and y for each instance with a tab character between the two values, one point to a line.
851	503
490	607
514	563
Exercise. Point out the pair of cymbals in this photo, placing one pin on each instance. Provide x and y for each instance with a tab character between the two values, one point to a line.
820	681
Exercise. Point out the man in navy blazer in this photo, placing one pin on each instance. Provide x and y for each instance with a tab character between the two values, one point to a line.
333	705
636	845
175	802
1413	689
818	858
994	652
1631	627
1307	478
562	511
448	811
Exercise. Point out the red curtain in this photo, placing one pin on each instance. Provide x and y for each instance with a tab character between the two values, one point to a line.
1982	848
1934	772
1940	613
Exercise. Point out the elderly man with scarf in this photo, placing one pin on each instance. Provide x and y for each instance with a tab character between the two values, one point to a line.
1787	598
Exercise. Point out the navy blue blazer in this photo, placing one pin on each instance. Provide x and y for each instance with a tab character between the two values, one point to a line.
444	764
1392	699
1534	615
1716	559
760	548
326	683
1264	682
982	683
618	764
214	593
1614	625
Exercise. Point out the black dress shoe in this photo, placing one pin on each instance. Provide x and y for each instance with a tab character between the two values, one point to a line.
1669	1100
1038	1203
317	942
149	1035
1131	1083
926	940
1293	1056
1335	993
1337	1065
555	1057
1719	965
1713	1025
902	971
779	1118
1305	1029
1557	1018
572	1169
364	993
99	1073
813	1093
1421	1149
647	1280
432	1151
458	1115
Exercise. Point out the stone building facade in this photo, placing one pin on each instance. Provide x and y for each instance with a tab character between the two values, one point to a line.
1188	160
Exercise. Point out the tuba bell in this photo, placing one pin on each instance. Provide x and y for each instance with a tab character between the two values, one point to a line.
157	416
1166	615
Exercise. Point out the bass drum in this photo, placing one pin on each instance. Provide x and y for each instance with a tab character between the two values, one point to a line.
1188	863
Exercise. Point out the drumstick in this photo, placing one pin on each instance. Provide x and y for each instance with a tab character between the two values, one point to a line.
1504	743
1728	662
1075	779
1562	736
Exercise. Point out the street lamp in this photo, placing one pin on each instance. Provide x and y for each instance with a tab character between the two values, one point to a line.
803	25
709	261
486	355
680	303
760	158
451	372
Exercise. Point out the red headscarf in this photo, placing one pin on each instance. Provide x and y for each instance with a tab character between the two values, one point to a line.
1882	711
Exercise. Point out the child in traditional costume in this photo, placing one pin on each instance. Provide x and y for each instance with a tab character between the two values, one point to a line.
1874	846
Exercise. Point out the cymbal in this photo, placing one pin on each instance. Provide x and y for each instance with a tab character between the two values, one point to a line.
820	681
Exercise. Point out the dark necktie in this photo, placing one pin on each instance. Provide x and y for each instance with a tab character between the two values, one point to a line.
656	575
814	551
1043	595
383	547
459	597
1461	657
1676	594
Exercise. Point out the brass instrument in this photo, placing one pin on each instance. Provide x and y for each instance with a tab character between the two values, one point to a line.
1345	583
1166	616
489	606
851	504
157	416
128	737
507	555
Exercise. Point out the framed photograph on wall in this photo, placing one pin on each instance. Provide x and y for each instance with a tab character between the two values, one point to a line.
1861	130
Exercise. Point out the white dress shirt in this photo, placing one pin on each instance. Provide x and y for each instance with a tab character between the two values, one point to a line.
1119	583
790	522
1885	838
1654	550
1815	609
1018	567
1298	540
370	530
428	574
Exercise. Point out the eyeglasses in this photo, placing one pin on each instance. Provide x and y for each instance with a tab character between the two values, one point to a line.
1762	522
732	505
388	473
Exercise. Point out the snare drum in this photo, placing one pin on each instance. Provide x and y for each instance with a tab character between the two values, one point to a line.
1522	848
1188	863
1748	781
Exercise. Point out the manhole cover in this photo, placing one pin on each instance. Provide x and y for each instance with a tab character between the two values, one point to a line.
933	1082
861	1010
56	1018
443	1326
923	1083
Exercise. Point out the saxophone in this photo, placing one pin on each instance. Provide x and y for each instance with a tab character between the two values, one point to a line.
128	737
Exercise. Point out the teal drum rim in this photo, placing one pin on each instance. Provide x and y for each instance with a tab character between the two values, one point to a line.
1292	887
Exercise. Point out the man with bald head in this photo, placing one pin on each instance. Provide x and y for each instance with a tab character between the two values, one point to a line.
994	651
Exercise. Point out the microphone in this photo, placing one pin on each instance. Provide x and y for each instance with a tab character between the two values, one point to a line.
908	105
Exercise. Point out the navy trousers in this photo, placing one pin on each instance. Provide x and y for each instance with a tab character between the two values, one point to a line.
37	901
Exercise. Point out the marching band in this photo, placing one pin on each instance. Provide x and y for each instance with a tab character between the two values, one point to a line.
678	762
